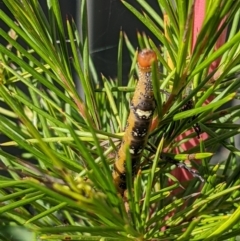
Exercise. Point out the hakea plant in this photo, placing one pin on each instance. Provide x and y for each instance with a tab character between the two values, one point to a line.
61	187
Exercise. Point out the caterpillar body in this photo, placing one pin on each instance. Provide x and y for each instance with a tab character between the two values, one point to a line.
139	120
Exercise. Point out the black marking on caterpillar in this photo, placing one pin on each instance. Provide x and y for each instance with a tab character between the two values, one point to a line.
139	120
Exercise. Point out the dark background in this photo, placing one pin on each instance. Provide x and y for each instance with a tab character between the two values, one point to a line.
106	19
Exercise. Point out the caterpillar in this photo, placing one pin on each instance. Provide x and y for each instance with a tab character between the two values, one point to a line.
142	107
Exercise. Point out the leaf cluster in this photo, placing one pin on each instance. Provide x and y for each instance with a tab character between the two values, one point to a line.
69	142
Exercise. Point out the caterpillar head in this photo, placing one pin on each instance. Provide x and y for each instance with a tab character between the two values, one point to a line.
145	58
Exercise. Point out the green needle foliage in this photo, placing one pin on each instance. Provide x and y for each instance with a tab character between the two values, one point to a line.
61	186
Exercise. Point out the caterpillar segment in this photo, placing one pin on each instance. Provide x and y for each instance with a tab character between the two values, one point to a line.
139	121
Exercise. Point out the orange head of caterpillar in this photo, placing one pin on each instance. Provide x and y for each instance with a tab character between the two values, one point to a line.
145	58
